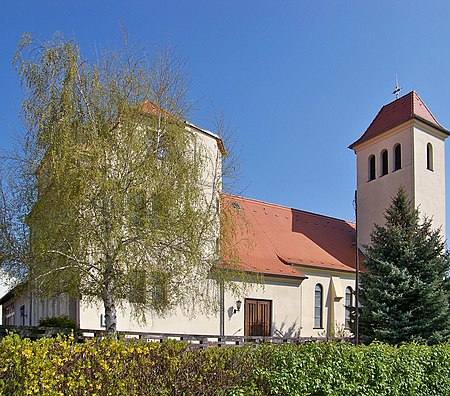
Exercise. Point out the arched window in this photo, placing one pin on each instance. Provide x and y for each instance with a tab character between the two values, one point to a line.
384	163
371	167
318	303
429	156
348	306
397	157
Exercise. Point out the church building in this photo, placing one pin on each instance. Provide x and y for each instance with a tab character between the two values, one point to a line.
308	260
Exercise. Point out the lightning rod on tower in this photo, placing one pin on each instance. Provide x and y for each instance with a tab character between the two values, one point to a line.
397	89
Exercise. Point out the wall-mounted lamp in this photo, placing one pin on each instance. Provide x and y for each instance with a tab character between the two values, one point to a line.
238	306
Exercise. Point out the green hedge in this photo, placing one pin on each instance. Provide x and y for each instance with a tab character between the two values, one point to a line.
62	367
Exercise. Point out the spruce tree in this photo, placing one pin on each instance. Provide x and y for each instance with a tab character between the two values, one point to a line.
405	290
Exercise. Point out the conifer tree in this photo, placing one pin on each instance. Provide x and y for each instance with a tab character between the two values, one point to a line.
405	291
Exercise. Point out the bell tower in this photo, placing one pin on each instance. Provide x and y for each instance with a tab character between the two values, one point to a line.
403	146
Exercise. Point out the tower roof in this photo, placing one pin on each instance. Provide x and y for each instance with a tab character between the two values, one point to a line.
397	112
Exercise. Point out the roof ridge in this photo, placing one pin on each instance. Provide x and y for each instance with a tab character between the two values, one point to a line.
258	201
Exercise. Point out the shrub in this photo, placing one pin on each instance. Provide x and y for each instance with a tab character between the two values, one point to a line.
63	321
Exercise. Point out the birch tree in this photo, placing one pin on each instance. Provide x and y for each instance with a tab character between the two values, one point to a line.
119	207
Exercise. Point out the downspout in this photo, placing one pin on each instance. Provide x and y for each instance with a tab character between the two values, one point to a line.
357	272
222	308
31	309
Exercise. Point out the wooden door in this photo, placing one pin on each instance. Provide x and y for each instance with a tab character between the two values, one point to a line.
257	318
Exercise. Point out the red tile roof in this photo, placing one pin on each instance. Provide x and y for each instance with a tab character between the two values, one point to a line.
397	112
284	238
149	107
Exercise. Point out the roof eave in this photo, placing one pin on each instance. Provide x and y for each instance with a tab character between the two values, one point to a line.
324	267
211	134
14	292
429	123
432	124
293	263
265	273
298	277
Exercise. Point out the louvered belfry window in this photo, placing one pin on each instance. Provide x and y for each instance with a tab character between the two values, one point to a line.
384	163
372	167
429	156
397	157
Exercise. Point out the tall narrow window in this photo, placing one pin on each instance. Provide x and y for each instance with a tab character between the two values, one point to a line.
348	306
397	157
318	303
384	163
22	315
159	289
429	156
137	286
371	167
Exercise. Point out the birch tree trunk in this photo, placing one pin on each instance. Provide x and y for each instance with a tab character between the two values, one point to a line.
109	302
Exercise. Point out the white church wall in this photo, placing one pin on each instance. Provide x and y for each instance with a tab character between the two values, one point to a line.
374	196
5	285
292	309
91	317
18	311
285	297
429	188
333	308
212	158
292	313
57	306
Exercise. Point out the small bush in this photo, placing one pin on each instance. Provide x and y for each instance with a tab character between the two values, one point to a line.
63	321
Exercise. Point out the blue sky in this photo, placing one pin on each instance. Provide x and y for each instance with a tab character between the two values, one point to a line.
297	80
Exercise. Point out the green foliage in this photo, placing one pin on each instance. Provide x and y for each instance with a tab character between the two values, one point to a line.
405	292
342	369
104	367
63	321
